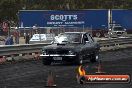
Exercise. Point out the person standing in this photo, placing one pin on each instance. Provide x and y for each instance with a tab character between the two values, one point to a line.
24	35
16	35
27	37
9	40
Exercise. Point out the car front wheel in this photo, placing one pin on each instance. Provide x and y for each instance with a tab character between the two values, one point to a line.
94	57
46	61
79	60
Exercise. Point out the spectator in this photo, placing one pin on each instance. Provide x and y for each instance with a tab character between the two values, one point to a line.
2	40
24	35
27	37
9	40
16	35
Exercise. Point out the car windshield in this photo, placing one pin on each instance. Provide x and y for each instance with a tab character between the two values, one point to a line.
68	38
118	29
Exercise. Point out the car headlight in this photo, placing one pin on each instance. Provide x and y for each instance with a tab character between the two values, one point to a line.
109	29
71	52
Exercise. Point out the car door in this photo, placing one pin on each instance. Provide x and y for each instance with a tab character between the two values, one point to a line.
86	45
94	45
91	42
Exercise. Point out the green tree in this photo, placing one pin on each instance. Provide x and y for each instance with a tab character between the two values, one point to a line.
10	8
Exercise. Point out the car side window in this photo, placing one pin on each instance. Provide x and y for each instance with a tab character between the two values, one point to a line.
90	38
85	38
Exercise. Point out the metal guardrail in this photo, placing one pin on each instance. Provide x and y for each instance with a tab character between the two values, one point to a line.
31	48
19	49
113	42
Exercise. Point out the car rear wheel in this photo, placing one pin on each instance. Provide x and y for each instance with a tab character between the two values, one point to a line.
94	57
46	62
106	35
98	34
125	34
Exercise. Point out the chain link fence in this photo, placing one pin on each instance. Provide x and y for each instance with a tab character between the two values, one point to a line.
57	31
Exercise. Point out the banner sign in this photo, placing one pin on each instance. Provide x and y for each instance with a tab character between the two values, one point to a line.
65	20
42	37
95	19
122	17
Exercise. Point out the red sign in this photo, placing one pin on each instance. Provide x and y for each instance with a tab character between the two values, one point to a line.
106	78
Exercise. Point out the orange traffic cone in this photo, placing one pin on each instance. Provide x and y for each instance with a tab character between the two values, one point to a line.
99	68
50	80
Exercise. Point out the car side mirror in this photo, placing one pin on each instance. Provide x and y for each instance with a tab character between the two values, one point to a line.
52	42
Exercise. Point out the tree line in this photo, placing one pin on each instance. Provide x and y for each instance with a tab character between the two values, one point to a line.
9	8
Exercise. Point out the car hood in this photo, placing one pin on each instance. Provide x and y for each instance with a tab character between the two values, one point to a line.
62	46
